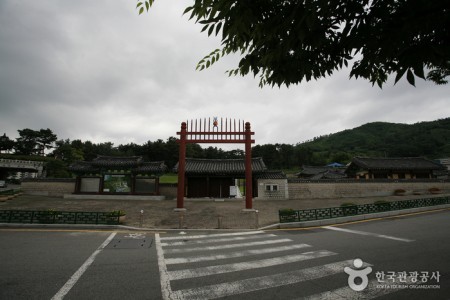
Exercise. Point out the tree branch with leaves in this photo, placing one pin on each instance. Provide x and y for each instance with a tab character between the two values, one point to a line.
287	42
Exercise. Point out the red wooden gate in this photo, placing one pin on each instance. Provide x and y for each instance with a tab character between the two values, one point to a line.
221	131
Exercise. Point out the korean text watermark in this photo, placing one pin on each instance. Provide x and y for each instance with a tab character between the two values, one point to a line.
358	279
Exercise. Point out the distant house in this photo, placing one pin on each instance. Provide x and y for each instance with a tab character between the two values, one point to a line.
394	168
117	175
325	172
219	178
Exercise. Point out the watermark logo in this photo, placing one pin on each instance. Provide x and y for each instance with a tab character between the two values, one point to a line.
358	279
354	274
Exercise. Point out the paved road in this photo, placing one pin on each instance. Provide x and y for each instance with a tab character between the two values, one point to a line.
290	264
39	265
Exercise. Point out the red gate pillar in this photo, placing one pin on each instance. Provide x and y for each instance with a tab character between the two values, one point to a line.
248	167
181	167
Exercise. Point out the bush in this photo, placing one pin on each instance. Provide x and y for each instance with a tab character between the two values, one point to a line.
116	213
348	204
116	216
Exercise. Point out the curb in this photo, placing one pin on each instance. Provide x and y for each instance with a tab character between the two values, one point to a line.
334	221
107	227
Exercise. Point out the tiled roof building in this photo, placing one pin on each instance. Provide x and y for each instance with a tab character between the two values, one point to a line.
221	166
213	178
118	175
133	164
316	173
393	168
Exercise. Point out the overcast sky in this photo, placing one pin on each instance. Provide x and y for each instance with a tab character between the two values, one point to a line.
95	70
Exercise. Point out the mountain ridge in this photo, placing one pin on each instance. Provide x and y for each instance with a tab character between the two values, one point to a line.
429	139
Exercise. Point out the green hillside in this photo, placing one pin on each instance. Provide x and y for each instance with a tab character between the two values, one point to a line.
429	139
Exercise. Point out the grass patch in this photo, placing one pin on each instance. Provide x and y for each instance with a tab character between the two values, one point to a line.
169	178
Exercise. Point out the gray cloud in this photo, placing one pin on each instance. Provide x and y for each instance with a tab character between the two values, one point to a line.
94	70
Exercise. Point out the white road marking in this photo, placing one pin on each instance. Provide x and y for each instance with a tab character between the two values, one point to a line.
187	237
183	260
374	289
211	248
368	234
248	265
138	236
166	290
264	282
73	280
228	239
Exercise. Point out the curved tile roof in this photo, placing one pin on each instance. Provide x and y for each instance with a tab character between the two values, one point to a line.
151	167
221	166
271	175
396	163
133	163
117	161
83	166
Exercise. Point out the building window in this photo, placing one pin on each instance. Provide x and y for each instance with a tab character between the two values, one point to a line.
271	187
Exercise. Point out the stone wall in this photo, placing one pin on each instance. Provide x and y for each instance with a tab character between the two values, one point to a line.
282	192
346	189
55	187
169	190
292	189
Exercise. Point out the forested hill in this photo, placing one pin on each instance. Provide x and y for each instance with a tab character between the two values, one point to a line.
429	139
426	139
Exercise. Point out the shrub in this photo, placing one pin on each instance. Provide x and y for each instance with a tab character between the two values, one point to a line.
286	211
116	216
116	213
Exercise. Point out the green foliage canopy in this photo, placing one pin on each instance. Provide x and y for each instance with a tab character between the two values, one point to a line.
286	42
34	141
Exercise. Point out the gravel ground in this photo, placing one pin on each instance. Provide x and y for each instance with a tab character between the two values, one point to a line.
199	214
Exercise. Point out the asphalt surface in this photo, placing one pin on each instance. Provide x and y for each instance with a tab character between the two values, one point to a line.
278	264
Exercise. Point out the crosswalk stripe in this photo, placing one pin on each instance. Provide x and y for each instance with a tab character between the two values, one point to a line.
187	237
166	290
228	239
210	248
264	282
368	234
346	293
194	259
248	265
